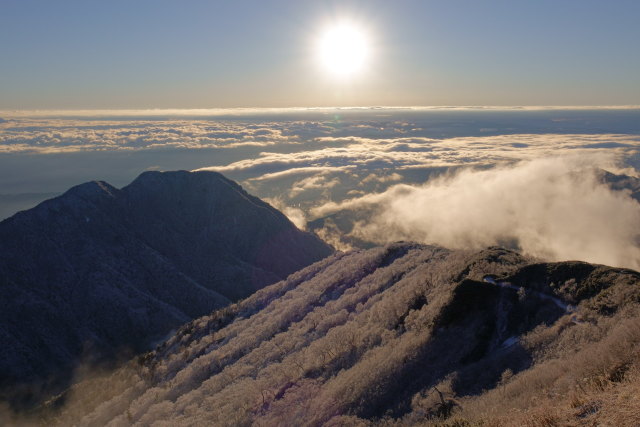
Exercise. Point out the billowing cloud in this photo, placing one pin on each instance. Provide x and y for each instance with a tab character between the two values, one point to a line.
553	208
295	215
372	165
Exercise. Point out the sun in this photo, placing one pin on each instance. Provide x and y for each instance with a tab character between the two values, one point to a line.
343	49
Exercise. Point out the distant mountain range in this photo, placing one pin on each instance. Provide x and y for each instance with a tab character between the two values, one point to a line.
405	334
101	271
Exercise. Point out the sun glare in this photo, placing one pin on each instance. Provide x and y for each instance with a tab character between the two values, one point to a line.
343	49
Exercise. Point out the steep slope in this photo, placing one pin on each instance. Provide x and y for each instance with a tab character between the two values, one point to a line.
237	243
404	333
99	271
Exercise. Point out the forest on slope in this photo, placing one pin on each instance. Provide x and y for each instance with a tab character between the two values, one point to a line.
403	334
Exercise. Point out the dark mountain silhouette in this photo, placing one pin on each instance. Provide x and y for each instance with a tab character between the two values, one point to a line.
99	271
407	333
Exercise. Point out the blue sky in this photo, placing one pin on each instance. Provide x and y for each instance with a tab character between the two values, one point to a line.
207	54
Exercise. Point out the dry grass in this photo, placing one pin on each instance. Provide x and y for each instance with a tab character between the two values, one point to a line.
601	403
596	384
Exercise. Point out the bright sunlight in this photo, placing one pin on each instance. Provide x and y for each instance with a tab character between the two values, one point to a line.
343	49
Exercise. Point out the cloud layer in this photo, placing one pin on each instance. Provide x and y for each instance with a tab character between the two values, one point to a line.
59	136
50	132
347	153
458	177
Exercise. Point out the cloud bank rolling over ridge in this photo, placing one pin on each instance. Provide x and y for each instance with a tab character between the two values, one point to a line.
553	208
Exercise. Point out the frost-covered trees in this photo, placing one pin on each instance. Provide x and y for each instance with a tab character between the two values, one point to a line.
357	336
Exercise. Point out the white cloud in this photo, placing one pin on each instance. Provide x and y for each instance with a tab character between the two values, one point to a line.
554	208
295	215
319	160
411	153
46	136
312	183
311	170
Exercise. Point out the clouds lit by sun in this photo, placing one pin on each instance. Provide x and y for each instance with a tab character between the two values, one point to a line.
343	49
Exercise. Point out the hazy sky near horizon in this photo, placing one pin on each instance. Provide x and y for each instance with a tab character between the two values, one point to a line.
203	54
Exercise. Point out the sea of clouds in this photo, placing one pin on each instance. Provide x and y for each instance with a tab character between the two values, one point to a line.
526	178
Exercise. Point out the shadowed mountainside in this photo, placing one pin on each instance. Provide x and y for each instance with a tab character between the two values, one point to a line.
402	335
99	271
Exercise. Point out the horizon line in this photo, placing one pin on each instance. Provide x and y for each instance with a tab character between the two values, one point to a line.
239	111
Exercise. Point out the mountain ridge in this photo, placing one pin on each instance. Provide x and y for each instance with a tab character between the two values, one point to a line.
120	268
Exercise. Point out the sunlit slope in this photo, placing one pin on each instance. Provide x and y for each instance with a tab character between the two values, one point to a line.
379	333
